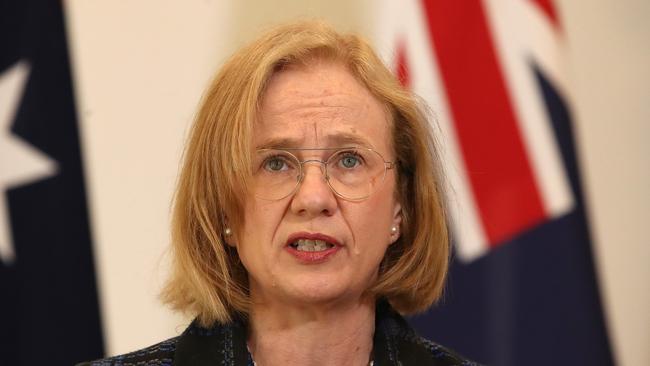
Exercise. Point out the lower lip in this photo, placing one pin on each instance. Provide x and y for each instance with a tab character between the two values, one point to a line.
313	257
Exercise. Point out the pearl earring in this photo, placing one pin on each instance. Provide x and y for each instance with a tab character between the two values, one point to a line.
228	232
393	230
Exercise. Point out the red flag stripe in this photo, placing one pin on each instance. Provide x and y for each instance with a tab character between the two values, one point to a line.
402	65
497	165
549	9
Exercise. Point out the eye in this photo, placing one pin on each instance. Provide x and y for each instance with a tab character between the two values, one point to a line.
349	160
275	164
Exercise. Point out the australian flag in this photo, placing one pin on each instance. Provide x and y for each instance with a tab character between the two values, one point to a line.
48	299
522	287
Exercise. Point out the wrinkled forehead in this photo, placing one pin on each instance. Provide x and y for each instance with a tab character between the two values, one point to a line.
320	104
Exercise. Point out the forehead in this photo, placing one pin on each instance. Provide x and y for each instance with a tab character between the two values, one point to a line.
320	104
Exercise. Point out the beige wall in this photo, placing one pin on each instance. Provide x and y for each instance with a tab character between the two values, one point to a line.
610	63
250	16
140	68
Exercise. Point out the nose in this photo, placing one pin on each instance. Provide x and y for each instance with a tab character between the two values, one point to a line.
314	196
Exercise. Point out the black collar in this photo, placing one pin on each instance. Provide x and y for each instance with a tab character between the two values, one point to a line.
394	343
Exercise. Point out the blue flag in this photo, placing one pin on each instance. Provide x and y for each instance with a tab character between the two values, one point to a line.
49	309
522	288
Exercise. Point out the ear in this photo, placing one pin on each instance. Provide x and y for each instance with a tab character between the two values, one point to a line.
396	223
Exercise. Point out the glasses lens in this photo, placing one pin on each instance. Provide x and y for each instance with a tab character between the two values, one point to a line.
275	174
353	173
356	173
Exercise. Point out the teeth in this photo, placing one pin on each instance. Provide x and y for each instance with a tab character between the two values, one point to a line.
308	245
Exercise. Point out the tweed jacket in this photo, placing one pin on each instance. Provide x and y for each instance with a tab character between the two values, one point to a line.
395	343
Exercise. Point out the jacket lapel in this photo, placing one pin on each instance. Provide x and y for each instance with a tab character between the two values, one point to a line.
220	345
226	344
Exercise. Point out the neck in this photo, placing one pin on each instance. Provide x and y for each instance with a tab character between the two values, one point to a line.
282	334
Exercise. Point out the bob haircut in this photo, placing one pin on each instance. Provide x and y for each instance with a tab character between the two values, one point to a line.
208	280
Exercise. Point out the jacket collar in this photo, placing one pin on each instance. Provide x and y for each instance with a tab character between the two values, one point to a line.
225	344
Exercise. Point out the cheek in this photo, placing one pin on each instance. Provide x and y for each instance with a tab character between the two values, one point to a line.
257	217
370	223
261	221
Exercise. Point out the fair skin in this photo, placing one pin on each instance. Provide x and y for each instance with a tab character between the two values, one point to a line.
317	313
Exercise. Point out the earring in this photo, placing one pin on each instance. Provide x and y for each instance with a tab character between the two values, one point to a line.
393	230
228	232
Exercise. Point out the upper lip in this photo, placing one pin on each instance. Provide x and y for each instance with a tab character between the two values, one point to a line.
312	236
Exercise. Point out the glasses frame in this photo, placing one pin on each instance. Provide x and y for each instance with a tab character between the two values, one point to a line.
325	172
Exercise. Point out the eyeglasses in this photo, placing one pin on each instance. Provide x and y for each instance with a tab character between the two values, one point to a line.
352	173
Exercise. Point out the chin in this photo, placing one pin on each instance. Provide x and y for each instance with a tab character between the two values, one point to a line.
323	291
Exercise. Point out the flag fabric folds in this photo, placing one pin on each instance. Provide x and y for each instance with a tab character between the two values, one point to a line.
48	309
522	287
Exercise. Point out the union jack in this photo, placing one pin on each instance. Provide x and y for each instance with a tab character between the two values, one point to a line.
522	286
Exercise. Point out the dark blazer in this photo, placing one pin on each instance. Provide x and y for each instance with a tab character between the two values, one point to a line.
395	343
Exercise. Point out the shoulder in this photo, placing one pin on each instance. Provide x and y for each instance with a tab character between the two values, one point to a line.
196	346
401	342
160	354
439	354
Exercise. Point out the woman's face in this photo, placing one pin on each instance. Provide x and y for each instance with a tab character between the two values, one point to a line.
318	106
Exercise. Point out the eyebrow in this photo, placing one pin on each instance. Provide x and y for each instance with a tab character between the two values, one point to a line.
339	139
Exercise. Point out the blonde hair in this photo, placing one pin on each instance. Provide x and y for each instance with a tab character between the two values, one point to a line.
207	278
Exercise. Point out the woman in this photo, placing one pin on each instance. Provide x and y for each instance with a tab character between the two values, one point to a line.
309	212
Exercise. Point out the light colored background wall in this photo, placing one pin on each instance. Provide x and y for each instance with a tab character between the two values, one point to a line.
610	60
140	68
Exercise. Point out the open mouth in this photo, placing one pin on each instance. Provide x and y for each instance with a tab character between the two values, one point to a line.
311	245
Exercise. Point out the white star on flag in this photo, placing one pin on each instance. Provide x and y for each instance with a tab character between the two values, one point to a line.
20	162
